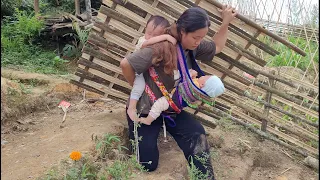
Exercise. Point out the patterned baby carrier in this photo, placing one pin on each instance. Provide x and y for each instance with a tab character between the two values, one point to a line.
187	92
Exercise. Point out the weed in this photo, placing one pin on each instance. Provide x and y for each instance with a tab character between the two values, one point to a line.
203	159
226	124
80	38
288	58
121	170
194	173
214	154
313	143
106	144
82	170
311	118
24	89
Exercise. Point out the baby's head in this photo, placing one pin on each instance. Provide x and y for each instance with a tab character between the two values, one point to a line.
212	85
156	26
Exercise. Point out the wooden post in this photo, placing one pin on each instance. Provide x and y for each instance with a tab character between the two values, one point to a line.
36	6
266	108
77	7
88	11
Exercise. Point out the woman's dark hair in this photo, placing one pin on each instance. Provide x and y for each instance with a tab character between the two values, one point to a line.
190	20
158	21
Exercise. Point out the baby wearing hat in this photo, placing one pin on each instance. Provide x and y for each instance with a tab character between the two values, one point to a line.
212	85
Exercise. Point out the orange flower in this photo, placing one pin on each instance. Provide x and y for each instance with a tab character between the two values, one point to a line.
75	155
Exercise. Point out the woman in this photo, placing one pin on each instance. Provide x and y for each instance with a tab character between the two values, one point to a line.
189	30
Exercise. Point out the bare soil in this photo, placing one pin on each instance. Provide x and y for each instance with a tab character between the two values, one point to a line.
33	142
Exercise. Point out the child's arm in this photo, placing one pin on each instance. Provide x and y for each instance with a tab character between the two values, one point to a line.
160	105
164	37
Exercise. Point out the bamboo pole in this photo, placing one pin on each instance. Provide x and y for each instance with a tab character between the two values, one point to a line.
253	24
296	118
228	72
246	53
286	96
88	11
245	35
205	122
77	6
240	92
266	108
239	32
258	131
245	48
237	64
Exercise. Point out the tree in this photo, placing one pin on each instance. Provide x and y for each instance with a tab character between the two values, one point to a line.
36	6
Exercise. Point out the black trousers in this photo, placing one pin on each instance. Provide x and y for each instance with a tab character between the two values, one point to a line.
189	135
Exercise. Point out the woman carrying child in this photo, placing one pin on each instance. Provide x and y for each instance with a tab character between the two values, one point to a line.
189	30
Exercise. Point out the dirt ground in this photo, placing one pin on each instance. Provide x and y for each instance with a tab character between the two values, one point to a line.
33	142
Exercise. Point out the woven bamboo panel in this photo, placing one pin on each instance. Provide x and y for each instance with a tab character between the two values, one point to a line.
115	34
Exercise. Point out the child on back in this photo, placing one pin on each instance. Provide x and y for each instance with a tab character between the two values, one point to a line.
154	33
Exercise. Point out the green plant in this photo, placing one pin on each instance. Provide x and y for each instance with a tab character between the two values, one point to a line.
203	159
121	170
24	89
311	118
19	30
83	169
194	173
17	34
214	154
80	39
106	144
288	57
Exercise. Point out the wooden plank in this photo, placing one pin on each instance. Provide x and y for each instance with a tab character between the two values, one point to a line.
123	13
151	10
107	65
98	72
119	41
126	29
104	89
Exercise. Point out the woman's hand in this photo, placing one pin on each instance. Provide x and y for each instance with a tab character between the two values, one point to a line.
228	13
171	39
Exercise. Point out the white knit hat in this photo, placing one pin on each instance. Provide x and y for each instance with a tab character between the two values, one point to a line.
213	87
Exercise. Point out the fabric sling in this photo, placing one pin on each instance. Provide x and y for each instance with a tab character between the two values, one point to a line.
187	92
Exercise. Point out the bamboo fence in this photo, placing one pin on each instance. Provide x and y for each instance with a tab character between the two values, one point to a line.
258	103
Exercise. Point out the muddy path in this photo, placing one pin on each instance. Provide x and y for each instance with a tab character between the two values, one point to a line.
34	142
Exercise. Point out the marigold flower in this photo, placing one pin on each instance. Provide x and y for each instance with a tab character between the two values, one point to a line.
75	155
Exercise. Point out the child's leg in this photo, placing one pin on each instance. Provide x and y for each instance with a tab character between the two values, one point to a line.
136	92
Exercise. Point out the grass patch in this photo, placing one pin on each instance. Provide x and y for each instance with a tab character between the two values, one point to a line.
288	57
18	50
